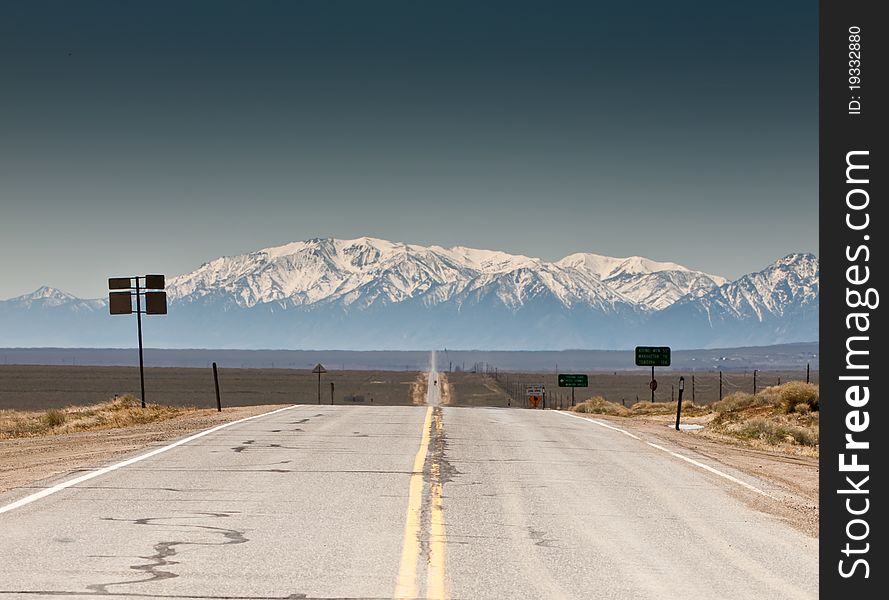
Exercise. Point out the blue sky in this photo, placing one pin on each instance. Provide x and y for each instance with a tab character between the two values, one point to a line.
152	137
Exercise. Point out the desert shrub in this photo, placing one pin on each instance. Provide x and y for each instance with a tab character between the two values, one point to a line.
54	418
774	433
600	406
736	401
792	394
802	409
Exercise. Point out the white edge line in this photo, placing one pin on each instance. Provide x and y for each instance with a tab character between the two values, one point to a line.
671	453
712	470
93	474
601	424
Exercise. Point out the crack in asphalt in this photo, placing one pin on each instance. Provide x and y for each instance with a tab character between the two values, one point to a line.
164	551
66	593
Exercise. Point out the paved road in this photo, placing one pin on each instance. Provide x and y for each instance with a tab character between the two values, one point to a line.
426	501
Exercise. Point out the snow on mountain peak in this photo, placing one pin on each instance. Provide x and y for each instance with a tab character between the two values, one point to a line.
790	282
46	293
608	266
322	292
366	271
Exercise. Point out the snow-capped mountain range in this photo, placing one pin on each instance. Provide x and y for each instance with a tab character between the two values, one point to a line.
369	293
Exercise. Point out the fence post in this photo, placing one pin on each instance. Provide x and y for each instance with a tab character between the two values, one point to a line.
216	381
720	385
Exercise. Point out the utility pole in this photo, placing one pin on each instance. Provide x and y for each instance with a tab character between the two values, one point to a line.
720	385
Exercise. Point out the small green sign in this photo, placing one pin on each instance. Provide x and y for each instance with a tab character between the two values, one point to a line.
573	380
652	356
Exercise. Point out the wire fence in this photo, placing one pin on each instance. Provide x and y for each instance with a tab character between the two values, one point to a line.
630	387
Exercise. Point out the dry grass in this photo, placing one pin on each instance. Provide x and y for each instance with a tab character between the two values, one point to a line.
667	408
780	416
739	401
122	411
772	432
792	395
601	406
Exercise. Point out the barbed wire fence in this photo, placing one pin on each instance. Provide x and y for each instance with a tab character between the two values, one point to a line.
630	387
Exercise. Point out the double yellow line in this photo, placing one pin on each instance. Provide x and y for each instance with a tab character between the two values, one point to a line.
406	586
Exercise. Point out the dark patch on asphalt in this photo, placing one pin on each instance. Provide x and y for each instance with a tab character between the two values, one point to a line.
239	448
540	540
437	471
438	447
158	567
276	430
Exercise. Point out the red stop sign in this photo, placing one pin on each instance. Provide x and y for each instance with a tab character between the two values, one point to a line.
653	385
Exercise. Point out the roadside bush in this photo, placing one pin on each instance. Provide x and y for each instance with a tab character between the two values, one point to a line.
775	433
600	406
654	408
736	401
792	394
54	418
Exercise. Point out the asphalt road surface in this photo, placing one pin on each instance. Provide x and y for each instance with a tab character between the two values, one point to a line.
422	501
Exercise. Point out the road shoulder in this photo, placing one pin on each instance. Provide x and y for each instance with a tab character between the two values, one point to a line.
28	462
793	480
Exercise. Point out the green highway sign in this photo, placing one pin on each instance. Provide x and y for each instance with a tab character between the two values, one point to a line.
652	356
573	380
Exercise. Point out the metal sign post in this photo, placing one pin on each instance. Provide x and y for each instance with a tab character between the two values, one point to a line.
121	303
652	356
653	384
573	380
679	404
319	368
216	382
535	392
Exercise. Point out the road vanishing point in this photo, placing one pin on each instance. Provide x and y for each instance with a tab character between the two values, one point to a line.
360	502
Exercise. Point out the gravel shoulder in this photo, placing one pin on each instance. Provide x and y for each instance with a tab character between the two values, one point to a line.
24	462
792	479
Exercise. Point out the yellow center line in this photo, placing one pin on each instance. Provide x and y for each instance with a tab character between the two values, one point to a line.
406	587
435	583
